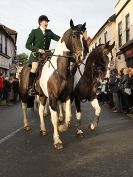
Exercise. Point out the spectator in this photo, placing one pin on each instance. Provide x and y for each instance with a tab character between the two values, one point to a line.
6	90
15	84
1	86
113	83
126	90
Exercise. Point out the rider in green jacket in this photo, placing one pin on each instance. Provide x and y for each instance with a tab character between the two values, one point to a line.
38	41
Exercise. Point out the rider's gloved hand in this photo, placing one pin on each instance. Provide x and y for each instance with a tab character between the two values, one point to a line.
42	51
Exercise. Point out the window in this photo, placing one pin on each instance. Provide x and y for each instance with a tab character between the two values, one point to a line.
100	41
120	34
95	44
0	42
5	45
127	27
105	37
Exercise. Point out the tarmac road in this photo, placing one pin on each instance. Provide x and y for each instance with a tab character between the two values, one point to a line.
107	152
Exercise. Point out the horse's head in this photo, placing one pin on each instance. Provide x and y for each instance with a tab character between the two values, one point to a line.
73	40
107	49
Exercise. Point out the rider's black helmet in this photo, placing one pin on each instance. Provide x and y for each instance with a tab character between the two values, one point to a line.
43	18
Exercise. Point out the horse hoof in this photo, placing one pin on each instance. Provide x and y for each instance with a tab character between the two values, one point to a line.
69	125
62	128
58	146
92	127
27	128
43	133
61	118
80	134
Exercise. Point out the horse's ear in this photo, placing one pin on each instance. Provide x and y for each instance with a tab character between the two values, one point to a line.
107	44
71	23
83	28
112	46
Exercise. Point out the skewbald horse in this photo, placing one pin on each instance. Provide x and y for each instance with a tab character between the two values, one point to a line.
54	81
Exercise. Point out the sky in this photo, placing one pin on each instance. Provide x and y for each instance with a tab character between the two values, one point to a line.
22	16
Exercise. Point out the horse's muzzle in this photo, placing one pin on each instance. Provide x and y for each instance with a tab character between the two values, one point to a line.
78	55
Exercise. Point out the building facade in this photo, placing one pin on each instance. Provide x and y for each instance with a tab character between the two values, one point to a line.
118	28
105	33
124	33
8	39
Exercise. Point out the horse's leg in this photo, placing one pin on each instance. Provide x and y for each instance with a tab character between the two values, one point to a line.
25	116
60	112
46	109
54	118
78	116
41	114
68	116
97	108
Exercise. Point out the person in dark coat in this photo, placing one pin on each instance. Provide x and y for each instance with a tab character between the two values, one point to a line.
7	89
38	41
126	90
15	85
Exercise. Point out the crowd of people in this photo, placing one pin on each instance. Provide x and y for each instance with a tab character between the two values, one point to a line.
117	90
9	89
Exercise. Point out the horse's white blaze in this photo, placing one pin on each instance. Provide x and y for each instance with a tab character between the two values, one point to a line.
41	114
96	106
25	114
48	69
54	119
81	39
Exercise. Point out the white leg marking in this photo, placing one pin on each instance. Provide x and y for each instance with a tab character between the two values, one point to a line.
54	119
68	111
41	114
78	115
96	106
25	114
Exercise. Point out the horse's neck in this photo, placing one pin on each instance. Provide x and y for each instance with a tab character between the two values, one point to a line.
60	48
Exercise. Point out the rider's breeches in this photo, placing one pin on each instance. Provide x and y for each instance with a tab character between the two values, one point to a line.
34	67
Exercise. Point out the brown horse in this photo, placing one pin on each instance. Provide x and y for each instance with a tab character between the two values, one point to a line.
54	81
86	81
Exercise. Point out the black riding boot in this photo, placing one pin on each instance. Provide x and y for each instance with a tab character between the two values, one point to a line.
31	90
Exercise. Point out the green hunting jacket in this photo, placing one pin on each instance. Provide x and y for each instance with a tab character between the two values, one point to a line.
37	40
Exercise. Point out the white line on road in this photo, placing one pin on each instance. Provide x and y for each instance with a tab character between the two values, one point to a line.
12	134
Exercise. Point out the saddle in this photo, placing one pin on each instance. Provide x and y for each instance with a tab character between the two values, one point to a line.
42	60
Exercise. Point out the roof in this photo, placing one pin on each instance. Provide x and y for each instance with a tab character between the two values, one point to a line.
10	32
110	19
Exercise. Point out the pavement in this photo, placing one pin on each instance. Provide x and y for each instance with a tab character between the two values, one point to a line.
107	152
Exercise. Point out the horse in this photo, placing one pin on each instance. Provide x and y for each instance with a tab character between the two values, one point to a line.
54	82
86	81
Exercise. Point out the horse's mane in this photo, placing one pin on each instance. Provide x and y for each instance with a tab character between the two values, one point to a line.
66	35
